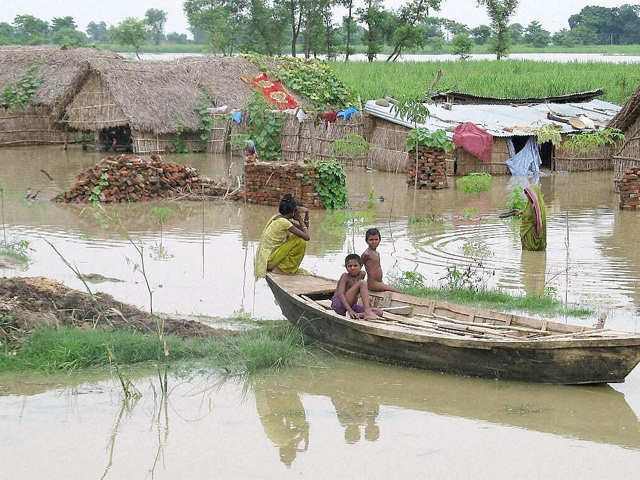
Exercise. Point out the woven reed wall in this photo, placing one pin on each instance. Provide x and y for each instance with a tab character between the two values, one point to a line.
306	139
628	155
468	163
93	108
31	126
149	142
389	146
565	160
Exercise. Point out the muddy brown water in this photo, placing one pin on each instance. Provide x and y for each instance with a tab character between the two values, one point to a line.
350	418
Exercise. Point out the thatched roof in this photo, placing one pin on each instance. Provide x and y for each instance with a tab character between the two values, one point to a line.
629	113
161	97
62	70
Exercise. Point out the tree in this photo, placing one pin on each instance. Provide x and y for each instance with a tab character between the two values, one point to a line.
563	38
29	30
517	33
408	33
58	23
177	38
293	11
97	31
481	34
348	24
462	45
266	27
156	19
370	16
69	36
536	35
130	31
6	33
499	12
222	20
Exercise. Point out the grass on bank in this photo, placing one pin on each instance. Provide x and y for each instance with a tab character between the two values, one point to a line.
498	300
69	349
507	78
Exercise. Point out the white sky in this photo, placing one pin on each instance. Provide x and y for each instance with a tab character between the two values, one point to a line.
553	14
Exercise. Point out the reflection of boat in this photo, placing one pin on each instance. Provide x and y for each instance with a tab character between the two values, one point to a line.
592	413
451	338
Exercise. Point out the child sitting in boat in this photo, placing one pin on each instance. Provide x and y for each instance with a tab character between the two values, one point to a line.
371	259
350	286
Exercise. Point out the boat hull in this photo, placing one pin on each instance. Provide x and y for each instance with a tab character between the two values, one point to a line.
570	365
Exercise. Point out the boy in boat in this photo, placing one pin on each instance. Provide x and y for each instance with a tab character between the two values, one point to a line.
350	286
371	259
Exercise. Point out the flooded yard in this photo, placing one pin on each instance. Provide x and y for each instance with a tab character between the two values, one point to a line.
345	418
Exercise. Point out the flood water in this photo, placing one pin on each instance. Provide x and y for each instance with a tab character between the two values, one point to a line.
347	418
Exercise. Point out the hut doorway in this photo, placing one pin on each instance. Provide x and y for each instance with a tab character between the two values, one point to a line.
116	139
546	155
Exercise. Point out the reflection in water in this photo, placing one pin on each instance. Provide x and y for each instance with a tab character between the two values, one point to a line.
534	268
284	421
353	413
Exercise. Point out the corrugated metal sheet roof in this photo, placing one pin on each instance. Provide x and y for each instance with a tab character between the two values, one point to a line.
503	120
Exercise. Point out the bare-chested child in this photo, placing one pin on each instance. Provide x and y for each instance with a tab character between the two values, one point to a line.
371	260
350	287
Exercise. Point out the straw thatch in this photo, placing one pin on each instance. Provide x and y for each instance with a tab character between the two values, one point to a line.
627	120
62	71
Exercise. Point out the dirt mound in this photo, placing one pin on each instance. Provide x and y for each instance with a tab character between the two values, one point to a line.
29	303
130	178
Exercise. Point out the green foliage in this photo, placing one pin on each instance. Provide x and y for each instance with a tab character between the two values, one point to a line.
238	140
516	199
462	45
351	145
421	136
476	247
475	182
18	249
411	108
549	132
20	93
587	142
331	184
161	214
208	122
371	198
97	189
179	144
130	31
414	283
264	127
315	80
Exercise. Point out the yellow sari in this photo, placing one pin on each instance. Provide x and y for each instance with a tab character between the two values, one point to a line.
279	248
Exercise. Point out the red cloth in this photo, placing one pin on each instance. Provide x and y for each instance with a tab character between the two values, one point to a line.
273	91
473	139
328	117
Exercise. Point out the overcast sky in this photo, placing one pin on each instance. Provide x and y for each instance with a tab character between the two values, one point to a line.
553	14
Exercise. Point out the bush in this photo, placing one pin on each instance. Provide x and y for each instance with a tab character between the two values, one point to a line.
475	183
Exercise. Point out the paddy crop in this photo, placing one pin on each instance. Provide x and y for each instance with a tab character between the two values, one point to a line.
510	78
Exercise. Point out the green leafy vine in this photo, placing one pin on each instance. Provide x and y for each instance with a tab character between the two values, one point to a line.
208	122
99	187
421	136
20	93
587	142
264	127
331	184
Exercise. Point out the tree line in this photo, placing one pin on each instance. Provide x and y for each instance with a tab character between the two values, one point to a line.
309	28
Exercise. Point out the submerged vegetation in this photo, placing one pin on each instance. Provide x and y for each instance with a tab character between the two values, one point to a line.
509	78
68	349
469	292
475	182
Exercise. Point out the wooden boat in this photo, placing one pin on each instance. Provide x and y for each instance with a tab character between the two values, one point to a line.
458	339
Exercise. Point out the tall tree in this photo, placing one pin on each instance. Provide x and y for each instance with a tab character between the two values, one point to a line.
348	24
408	33
222	20
29	30
517	33
130	31
481	34
97	31
293	10
58	23
6	33
266	28
156	20
499	12
536	35
370	16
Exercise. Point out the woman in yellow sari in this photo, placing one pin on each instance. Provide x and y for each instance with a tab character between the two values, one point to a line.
284	240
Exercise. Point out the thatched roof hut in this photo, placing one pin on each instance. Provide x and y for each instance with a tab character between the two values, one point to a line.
157	100
62	71
628	120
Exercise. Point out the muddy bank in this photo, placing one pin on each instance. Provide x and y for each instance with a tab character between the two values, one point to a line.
29	303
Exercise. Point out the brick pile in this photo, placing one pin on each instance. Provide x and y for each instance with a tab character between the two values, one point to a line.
432	169
629	188
130	178
267	182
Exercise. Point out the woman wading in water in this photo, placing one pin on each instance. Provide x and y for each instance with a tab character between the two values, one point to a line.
284	240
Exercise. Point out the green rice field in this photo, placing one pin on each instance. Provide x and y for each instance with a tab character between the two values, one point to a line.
508	78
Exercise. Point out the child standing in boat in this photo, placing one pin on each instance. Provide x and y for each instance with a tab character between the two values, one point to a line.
371	259
350	287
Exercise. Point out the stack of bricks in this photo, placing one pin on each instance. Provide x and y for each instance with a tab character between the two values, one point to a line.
629	188
267	182
432	169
